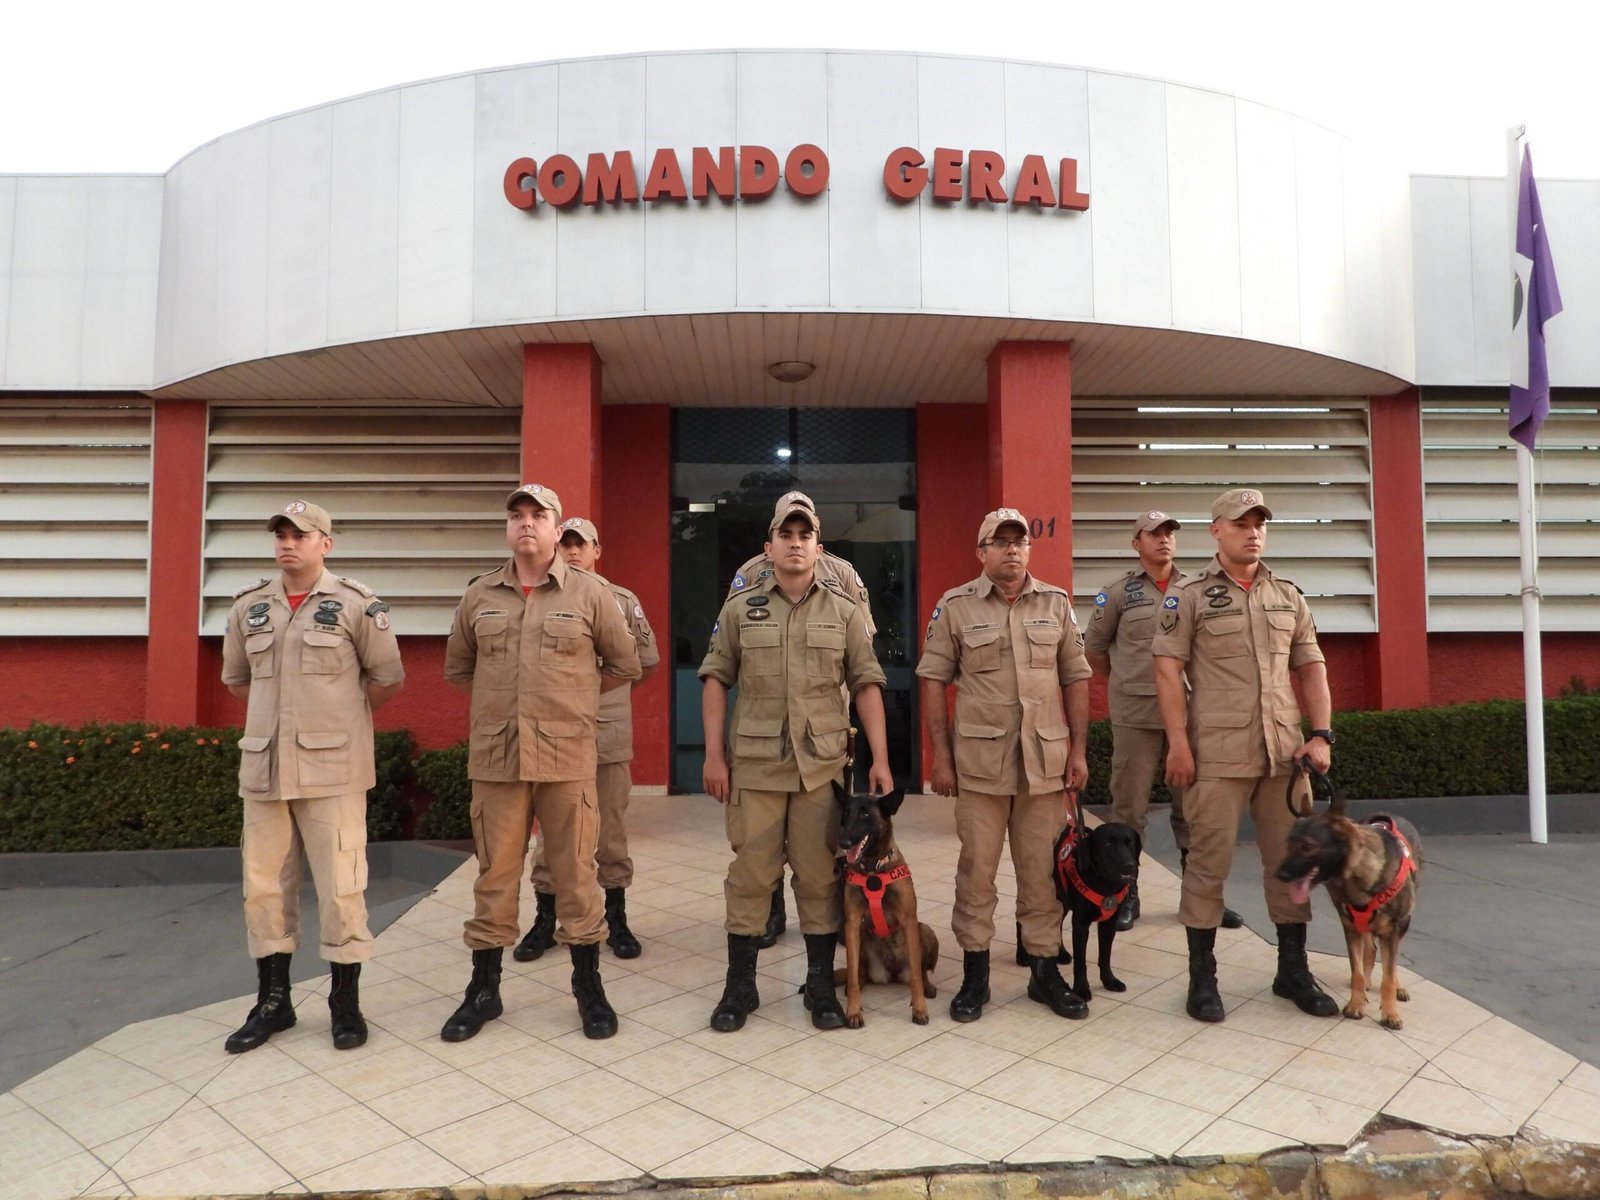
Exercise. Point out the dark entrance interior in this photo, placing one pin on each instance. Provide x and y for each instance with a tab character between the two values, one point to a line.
729	466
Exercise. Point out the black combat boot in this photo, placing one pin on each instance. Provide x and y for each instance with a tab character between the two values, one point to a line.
1047	987
739	996
1230	919
1294	981
482	1001
619	937
274	1011
1128	910
344	1004
974	994
821	1001
1205	1002
599	1018
541	934
777	920
1064	956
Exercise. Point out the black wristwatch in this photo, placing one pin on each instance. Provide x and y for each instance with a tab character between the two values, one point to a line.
1325	734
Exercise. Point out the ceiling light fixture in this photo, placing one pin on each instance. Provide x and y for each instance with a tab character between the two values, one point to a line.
790	370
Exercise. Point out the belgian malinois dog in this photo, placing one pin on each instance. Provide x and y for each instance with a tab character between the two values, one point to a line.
881	930
1371	870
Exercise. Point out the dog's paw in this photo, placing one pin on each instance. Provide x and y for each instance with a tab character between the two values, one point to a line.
919	1016
1391	1021
1401	994
1111	983
1354	1012
854	1020
931	992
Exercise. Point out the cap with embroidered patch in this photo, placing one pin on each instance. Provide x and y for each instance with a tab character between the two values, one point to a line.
1153	521
795	510
304	516
792	499
542	496
583	527
1235	502
999	517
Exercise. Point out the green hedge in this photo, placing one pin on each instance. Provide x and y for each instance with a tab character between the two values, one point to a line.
1462	750
138	787
133	787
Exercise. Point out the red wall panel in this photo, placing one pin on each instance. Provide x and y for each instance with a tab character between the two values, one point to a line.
71	680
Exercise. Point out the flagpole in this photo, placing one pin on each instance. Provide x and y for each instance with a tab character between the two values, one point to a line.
1527	531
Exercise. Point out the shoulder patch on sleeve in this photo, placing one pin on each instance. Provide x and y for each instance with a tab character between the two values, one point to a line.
376	607
250	587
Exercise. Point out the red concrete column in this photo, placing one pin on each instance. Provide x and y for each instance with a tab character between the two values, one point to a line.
635	523
1030	447
177	531
561	423
952	496
1397	666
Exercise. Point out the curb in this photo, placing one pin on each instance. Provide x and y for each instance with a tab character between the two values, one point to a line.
1393	1163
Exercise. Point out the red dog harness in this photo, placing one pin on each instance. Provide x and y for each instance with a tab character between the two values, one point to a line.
1361	917
874	885
1068	876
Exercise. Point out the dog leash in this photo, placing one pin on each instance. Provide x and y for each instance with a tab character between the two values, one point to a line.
1321	786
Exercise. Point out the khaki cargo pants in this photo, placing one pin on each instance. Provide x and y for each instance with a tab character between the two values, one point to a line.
763	828
502	816
1033	823
1137	756
332	830
613	867
1214	807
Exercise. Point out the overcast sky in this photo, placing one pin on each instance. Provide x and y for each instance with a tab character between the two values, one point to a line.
106	87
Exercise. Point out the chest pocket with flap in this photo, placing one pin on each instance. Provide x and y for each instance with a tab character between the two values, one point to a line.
259	647
980	650
761	649
322	652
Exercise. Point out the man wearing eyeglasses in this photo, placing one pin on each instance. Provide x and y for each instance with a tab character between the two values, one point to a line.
1011	645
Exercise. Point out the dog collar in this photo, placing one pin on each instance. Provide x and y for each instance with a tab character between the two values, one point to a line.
874	885
1361	917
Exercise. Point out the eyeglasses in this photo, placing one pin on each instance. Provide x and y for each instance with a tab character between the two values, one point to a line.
1008	543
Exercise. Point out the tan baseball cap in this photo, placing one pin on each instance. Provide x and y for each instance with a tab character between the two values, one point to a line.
790	499
1235	502
583	527
304	516
794	510
1153	520
999	517
539	494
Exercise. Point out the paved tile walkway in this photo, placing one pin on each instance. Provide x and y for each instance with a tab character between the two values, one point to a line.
159	1109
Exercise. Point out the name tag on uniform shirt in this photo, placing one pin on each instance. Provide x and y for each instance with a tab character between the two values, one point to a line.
1046	622
982	625
488	612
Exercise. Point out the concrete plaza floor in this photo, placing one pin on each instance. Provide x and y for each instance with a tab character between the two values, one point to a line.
157	1108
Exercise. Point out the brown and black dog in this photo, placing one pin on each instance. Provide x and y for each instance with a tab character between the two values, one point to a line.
883	939
1371	870
1093	868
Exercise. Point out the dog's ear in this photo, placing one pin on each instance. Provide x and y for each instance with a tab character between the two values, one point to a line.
890	804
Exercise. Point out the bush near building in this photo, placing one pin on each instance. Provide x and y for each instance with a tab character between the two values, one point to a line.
133	787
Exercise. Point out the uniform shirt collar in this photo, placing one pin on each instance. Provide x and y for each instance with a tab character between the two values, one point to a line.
1141	573
508	573
987	585
326	582
771	585
1215	567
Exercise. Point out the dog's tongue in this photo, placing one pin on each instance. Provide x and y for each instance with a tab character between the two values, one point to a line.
1300	889
853	855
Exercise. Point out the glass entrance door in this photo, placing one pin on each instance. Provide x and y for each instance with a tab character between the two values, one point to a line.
729	466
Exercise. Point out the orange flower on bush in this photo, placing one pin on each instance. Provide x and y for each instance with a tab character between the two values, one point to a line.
33	745
199	741
216	741
154	735
166	746
136	748
72	758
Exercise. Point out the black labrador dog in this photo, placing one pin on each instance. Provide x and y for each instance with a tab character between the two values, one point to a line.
1093	870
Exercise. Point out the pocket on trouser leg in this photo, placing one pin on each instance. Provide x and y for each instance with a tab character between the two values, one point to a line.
733	821
350	866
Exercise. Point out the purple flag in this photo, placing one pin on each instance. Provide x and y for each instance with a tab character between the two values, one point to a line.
1535	298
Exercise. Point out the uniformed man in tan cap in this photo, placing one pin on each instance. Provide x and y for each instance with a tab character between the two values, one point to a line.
537	642
1240	631
311	655
1117	643
835	574
788	643
580	548
1010	643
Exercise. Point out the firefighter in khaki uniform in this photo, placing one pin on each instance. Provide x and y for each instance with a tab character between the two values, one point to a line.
1241	631
1117	643
835	574
788	644
537	642
311	655
580	547
1010	644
